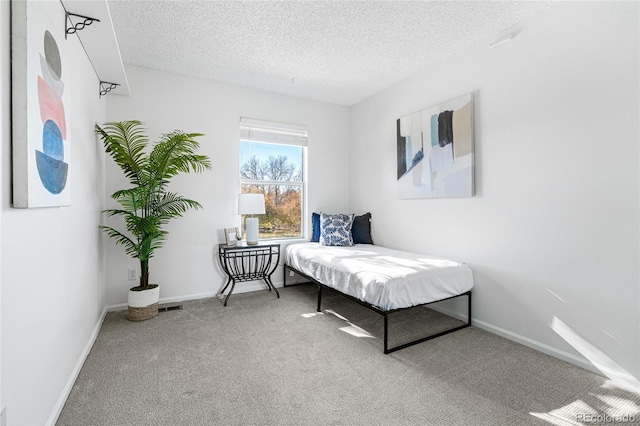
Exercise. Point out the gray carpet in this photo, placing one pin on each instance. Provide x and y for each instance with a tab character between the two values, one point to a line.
268	361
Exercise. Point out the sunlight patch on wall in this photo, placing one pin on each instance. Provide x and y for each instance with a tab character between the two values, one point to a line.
599	359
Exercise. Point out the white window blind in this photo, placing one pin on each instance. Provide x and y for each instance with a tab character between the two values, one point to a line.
270	132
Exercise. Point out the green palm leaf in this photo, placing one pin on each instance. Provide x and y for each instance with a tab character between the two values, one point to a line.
173	205
129	245
126	141
175	153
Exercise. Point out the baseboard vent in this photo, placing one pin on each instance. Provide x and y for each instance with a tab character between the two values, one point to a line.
169	307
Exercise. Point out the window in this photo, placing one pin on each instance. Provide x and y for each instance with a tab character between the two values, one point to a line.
272	162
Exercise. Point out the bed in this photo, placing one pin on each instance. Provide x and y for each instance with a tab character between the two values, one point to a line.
382	279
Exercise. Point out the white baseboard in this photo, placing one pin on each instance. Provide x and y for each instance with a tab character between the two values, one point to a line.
245	287
123	306
542	347
533	344
57	409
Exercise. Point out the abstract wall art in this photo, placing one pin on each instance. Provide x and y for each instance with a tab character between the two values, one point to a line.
41	143
435	151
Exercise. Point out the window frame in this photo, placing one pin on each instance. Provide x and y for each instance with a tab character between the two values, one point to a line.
257	131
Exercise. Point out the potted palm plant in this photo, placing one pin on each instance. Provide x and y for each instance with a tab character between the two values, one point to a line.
147	206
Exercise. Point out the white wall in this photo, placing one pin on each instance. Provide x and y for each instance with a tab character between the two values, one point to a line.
553	231
187	266
53	290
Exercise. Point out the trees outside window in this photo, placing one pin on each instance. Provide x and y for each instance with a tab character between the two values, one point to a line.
276	171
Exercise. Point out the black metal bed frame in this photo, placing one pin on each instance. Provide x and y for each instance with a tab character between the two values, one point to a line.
383	312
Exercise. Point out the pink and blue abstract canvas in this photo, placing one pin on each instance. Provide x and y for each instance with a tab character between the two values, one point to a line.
41	148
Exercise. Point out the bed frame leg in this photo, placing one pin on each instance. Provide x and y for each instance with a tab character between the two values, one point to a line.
319	298
284	278
386	329
469	297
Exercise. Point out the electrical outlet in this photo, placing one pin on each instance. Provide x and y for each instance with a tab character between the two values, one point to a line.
132	275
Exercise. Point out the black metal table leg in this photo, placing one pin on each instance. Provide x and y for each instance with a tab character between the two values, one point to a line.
225	287
271	286
230	291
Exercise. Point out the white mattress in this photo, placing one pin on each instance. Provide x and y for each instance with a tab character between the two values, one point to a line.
386	278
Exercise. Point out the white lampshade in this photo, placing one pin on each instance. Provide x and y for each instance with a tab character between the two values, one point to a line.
251	204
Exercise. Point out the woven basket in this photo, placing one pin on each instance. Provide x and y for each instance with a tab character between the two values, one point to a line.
141	314
143	304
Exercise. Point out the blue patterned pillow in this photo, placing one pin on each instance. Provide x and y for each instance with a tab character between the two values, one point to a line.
335	229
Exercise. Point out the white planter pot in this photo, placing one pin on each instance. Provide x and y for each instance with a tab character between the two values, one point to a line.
143	305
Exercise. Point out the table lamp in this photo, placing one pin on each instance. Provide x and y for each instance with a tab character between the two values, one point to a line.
251	204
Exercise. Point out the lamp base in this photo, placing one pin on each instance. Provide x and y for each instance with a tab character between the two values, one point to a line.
252	230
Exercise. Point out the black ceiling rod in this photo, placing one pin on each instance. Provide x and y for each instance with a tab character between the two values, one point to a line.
73	28
106	87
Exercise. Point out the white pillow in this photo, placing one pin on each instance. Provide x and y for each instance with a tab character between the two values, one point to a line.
335	229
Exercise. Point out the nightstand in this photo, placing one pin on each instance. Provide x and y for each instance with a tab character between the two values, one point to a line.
248	263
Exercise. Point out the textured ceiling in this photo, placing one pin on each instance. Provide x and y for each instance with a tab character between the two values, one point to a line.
340	52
